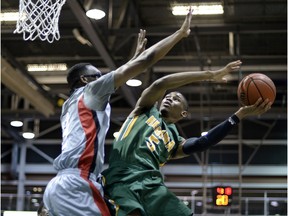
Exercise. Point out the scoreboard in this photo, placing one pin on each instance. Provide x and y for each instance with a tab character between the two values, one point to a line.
222	195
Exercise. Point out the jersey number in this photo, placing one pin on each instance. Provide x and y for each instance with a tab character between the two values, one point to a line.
158	135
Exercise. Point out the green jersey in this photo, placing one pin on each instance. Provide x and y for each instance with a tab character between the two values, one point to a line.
133	179
145	142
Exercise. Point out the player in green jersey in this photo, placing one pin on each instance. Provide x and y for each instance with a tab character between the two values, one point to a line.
149	138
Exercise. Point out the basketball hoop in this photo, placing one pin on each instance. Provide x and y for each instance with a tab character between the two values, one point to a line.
39	18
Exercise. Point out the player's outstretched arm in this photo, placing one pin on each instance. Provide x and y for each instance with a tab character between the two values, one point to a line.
152	55
158	88
220	131
184	78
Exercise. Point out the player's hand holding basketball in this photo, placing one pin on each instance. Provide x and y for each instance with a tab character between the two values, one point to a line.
219	75
258	108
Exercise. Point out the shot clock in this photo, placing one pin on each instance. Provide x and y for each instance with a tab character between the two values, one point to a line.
222	195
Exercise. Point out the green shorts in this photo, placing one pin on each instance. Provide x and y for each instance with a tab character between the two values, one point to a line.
148	195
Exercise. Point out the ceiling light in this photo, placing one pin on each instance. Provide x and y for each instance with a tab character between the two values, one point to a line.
16	123
198	9
28	135
47	67
134	82
11	16
95	14
274	203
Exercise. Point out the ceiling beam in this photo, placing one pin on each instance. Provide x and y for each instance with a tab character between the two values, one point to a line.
170	185
219	113
178	57
210	29
94	37
60	78
16	63
254	185
96	41
19	84
226	141
123	11
180	170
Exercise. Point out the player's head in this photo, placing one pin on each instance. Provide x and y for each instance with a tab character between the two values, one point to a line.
174	107
81	74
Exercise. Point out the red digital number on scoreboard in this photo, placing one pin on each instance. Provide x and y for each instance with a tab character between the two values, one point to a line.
222	196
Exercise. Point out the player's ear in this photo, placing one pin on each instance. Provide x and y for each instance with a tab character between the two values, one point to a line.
184	114
83	79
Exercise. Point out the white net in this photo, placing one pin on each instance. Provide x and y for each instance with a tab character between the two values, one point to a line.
39	19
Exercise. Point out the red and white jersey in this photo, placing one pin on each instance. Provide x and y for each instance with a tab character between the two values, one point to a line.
85	119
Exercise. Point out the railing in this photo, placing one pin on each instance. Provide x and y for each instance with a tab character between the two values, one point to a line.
250	206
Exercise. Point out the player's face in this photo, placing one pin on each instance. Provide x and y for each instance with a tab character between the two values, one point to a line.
90	75
172	106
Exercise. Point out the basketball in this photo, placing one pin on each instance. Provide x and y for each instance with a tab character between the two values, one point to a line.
255	86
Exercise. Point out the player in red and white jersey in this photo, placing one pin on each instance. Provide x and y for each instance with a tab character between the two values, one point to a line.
85	120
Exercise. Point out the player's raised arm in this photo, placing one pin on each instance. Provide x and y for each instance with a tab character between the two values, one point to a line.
158	88
152	55
141	43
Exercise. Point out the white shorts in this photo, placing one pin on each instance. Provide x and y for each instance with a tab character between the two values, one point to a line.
70	194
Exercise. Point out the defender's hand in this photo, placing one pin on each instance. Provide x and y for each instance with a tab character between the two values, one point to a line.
185	28
141	43
231	67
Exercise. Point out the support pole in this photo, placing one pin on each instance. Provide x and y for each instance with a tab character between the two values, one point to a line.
22	178
240	166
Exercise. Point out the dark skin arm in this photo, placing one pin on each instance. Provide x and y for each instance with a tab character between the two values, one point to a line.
259	108
157	89
150	56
